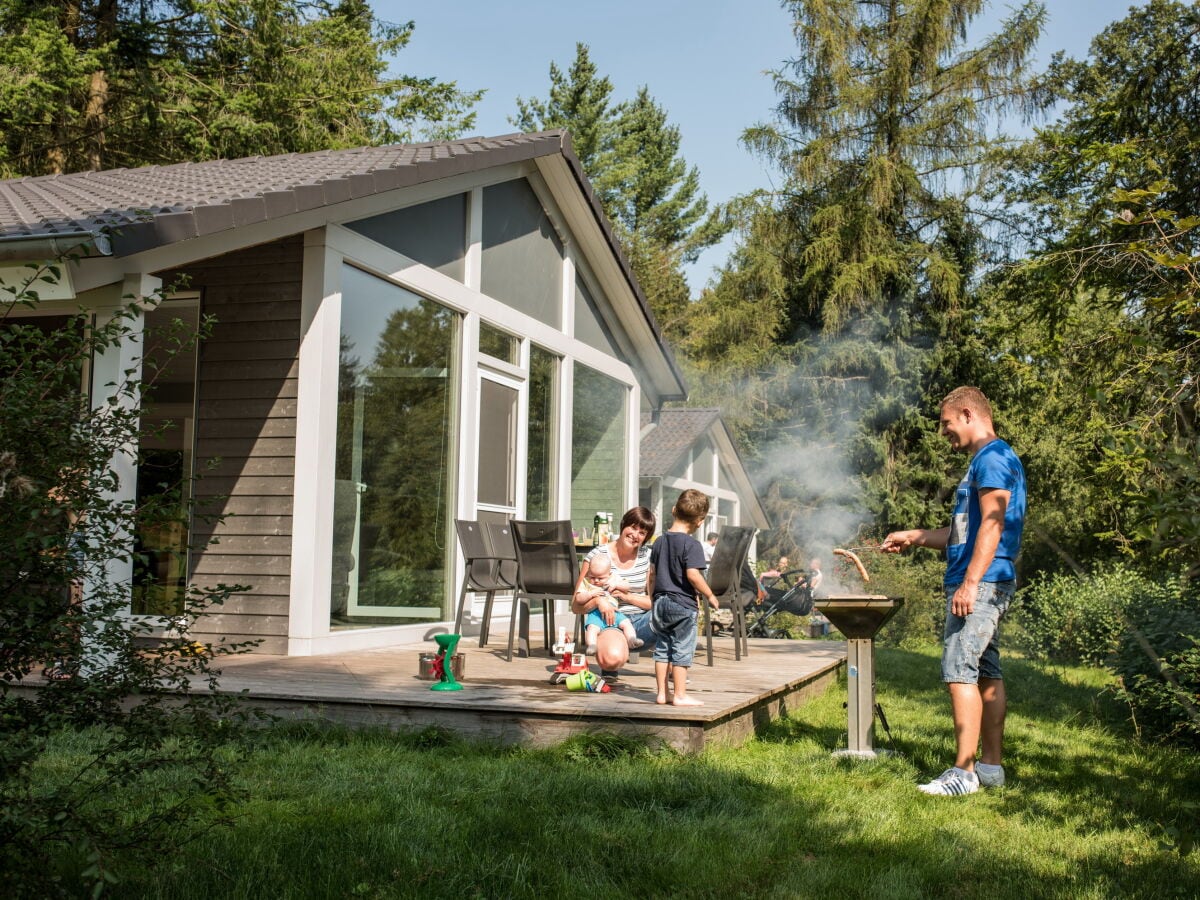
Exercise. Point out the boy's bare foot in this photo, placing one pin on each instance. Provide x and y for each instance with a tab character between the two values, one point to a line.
661	700
687	701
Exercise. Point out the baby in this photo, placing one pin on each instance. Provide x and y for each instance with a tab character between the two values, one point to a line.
596	587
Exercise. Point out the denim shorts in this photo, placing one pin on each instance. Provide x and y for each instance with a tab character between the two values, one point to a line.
677	632
971	644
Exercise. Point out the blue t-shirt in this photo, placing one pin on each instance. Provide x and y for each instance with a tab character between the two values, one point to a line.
994	466
672	555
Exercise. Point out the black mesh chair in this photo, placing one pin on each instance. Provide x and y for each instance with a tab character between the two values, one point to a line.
546	570
499	536
485	571
724	577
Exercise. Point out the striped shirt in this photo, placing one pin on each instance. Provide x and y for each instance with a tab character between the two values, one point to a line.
635	576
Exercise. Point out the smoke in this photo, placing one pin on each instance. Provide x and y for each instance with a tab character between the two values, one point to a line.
807	473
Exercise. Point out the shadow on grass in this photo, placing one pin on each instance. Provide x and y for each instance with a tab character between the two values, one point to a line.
340	813
372	815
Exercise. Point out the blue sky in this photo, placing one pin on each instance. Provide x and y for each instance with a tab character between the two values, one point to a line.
702	60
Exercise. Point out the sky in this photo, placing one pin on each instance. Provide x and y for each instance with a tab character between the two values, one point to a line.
704	62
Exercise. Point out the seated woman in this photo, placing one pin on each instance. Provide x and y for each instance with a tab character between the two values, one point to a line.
632	584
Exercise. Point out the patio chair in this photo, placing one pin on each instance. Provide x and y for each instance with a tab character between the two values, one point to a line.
485	571
546	569
724	577
499	536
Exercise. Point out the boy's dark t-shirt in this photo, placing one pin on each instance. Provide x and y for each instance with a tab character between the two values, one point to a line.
672	555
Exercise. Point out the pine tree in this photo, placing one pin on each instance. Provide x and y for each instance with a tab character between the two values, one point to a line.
631	154
860	265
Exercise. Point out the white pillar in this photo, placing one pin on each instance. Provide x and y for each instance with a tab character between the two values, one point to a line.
113	369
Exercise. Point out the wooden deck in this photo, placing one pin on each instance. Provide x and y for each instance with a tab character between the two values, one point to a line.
515	702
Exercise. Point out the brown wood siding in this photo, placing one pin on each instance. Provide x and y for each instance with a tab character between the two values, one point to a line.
246	437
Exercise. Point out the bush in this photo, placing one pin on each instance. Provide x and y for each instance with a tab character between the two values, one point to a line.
1146	631
1068	618
158	764
1157	663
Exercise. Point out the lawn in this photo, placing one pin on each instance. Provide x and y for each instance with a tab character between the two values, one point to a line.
1089	812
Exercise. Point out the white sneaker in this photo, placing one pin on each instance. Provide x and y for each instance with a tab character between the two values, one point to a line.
952	783
989	775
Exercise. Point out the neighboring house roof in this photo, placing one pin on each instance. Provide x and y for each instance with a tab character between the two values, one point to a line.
664	445
666	441
125	211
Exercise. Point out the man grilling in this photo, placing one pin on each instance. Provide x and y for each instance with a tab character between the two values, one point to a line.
981	545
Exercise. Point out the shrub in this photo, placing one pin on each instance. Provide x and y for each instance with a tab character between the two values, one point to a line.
1069	618
1145	630
158	761
1157	662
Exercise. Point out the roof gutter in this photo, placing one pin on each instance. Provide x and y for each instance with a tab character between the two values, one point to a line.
53	246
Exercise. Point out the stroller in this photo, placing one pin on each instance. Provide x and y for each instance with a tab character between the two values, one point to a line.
789	593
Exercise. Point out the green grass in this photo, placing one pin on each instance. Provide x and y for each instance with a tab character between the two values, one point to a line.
1085	815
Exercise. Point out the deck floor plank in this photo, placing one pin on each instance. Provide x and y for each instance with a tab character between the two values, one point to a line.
515	703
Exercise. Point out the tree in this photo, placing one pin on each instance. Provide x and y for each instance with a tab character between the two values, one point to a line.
579	102
96	84
880	131
631	154
151	734
861	264
1109	198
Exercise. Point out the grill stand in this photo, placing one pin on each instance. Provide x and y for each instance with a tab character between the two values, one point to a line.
859	619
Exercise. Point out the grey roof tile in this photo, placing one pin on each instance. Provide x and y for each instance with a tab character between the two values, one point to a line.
226	193
676	431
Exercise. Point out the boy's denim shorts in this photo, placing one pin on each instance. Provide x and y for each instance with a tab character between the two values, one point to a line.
971	645
676	642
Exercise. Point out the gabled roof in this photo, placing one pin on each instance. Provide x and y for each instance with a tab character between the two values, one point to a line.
665	442
155	205
121	212
664	445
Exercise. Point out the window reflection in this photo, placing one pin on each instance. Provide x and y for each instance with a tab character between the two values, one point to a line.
539	489
394	433
165	449
597	446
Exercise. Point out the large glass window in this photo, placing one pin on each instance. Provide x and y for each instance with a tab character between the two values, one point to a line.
539	476
165	449
521	262
394	434
597	446
433	233
497	469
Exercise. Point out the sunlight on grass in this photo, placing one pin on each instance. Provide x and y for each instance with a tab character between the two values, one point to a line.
335	813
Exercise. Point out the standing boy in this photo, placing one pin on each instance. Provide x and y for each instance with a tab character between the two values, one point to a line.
981	545
678	559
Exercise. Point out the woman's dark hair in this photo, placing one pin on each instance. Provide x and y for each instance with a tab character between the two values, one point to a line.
641	517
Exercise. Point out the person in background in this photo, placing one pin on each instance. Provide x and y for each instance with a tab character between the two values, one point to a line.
814	575
678	562
779	569
981	544
710	545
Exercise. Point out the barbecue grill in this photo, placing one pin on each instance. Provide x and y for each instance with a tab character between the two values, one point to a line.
859	618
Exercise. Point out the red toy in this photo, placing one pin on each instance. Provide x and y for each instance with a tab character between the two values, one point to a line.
570	663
